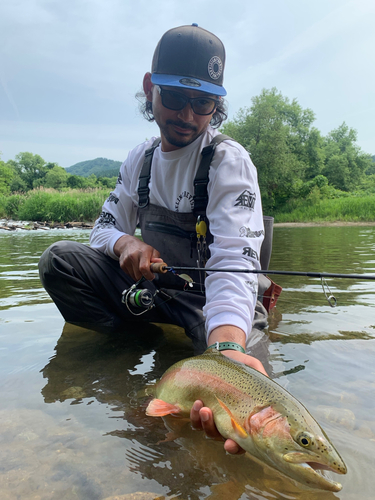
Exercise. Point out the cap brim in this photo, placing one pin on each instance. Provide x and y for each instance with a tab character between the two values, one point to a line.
196	84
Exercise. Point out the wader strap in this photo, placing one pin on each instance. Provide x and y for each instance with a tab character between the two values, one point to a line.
200	191
201	178
144	178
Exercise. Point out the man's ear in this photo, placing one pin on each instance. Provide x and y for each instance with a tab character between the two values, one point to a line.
147	86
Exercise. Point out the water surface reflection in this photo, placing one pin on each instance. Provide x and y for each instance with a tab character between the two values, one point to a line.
72	400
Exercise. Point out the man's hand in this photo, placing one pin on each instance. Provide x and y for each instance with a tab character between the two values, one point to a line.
135	257
202	419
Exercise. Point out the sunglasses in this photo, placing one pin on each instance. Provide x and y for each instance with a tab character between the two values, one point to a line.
177	101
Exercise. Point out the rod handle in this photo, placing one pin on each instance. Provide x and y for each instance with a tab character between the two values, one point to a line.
158	267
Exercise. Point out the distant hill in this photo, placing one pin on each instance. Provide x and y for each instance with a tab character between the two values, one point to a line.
101	167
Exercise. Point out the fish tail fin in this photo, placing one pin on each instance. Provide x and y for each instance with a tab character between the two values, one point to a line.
159	408
237	427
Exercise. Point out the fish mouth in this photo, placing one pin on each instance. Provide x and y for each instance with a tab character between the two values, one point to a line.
314	471
315	475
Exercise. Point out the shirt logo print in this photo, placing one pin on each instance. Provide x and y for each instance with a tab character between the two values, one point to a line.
246	232
113	197
105	220
246	200
185	195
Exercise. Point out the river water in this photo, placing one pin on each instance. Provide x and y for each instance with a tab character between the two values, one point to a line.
72	404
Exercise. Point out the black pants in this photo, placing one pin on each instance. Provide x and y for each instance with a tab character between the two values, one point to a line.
87	287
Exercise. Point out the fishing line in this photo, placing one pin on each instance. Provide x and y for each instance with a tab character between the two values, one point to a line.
331	299
140	300
263	271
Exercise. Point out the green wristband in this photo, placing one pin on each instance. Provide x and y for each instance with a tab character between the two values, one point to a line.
230	346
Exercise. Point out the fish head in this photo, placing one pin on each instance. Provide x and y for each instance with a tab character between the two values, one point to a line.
298	447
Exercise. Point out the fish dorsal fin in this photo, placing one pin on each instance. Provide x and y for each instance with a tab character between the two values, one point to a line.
237	427
159	408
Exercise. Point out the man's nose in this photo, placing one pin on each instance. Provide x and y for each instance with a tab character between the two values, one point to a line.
186	113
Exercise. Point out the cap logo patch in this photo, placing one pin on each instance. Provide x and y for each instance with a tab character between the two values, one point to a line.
215	67
190	82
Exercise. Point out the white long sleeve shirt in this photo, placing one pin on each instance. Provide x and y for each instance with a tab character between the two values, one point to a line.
234	212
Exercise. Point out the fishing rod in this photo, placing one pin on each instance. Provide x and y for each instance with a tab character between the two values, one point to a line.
331	299
162	267
140	300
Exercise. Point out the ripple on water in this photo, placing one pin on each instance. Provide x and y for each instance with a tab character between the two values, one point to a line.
73	423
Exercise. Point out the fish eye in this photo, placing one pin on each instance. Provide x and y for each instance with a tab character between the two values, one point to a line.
304	440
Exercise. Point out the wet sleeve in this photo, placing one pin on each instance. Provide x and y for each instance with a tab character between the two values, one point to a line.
236	223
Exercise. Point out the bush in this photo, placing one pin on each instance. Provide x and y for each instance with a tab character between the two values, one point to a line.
348	208
9	205
50	205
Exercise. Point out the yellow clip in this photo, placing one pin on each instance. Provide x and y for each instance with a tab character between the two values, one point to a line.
201	228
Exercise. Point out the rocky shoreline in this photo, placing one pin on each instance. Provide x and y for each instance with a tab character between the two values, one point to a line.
10	225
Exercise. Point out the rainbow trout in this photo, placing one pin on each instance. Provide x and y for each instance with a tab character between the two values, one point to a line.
253	410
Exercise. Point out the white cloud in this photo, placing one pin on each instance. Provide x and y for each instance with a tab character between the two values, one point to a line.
69	70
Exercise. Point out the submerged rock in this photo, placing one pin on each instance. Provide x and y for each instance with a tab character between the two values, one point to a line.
74	392
341	416
10	225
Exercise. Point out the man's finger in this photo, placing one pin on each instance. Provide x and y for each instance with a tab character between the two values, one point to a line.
194	415
208	424
233	448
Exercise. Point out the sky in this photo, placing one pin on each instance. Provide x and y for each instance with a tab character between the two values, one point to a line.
69	70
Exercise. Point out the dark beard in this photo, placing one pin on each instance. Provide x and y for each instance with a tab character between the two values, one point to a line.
179	142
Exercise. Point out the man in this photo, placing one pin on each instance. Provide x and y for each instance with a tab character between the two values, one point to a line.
161	188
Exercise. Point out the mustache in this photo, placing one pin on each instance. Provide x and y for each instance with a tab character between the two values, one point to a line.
180	124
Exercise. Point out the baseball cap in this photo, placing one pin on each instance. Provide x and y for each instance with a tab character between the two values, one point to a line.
190	57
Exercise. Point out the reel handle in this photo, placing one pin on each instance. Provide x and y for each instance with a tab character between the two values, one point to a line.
158	267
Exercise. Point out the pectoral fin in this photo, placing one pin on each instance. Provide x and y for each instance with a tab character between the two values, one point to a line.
159	408
236	426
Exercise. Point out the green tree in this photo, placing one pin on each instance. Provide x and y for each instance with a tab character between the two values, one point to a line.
283	146
56	178
6	175
345	163
371	168
92	181
76	182
314	151
107	182
18	184
30	168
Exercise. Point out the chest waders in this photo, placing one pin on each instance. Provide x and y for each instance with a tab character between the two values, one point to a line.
86	285
174	234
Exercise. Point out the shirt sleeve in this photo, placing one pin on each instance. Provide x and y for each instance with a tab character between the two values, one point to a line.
118	216
236	224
